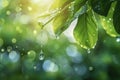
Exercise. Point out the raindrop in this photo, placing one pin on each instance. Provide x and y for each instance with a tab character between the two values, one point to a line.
9	48
41	55
31	54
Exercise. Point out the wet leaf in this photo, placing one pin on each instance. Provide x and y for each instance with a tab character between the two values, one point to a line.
101	6
116	17
85	32
107	23
79	4
62	20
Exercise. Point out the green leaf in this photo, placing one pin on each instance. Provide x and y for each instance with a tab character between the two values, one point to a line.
101	6
63	19
116	17
79	4
86	33
107	22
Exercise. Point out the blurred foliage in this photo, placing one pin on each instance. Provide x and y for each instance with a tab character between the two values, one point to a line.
31	47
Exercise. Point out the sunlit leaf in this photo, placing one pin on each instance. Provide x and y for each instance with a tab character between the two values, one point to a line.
63	19
107	23
79	4
116	17
85	32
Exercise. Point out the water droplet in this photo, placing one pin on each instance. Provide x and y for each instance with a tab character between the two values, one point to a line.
31	54
9	48
41	55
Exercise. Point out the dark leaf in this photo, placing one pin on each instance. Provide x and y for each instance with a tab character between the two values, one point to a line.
116	17
101	6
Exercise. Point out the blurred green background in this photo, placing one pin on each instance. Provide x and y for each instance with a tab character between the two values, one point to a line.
29	53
